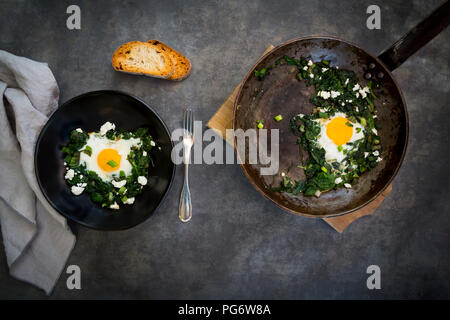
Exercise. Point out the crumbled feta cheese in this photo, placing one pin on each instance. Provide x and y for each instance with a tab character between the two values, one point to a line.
366	154
335	94
363	92
305	68
65	163
82	184
78	130
356	108
129	201
338	180
348	185
379	159
346	82
119	184
310	63
283	174
311	75
356	87
142	180
375	131
324	69
317	193
357	94
152	143
77	190
324	94
301	115
69	174
114	206
106	127
144	153
343	104
376	153
375	116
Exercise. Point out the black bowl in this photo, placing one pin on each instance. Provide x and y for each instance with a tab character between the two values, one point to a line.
89	111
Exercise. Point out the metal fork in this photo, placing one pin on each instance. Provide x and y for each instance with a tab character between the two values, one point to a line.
185	208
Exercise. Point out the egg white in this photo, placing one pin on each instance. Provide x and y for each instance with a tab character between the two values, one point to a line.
98	143
332	154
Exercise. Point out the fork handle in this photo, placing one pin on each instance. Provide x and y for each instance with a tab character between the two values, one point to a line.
185	208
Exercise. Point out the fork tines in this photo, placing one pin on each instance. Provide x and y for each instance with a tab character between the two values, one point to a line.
188	122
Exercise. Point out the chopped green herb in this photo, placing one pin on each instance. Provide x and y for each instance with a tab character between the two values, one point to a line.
260	124
112	163
87	150
278	118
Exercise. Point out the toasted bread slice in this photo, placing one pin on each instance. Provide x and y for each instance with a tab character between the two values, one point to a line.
182	64
143	58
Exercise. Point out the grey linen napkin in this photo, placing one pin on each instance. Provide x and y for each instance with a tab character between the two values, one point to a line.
36	238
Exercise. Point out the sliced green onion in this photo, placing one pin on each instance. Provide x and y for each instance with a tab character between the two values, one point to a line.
124	199
349	124
371	107
122	190
67	159
324	169
278	117
73	162
87	150
112	163
340	148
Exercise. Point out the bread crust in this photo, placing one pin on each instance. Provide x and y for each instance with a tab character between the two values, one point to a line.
131	57
182	64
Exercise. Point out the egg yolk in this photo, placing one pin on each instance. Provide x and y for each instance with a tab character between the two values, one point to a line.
109	160
338	131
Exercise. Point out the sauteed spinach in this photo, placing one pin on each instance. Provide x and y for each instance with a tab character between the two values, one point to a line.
336	91
123	187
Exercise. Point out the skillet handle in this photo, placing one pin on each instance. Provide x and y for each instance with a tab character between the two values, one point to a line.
416	38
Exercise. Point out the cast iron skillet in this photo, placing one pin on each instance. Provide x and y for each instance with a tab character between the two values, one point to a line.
282	93
89	111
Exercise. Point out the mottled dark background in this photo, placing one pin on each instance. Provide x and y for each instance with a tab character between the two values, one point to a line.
238	244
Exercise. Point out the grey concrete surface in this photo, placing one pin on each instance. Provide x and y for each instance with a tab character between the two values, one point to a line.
238	244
